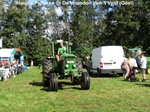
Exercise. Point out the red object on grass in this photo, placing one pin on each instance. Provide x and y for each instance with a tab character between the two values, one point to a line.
133	71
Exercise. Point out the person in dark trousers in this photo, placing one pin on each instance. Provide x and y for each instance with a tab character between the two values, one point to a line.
138	59
87	63
143	63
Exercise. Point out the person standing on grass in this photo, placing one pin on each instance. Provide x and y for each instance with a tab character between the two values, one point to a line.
138	60
125	66
133	64
143	63
31	63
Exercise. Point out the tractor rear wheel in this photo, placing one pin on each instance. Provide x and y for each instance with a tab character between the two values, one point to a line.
85	81
53	82
148	70
46	67
79	65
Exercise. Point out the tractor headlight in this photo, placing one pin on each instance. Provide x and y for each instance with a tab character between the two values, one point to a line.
67	65
74	65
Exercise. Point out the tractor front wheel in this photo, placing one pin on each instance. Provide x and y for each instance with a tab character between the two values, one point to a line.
53	82
72	78
85	81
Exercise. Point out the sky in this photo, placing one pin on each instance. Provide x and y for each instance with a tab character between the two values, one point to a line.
33	1
36	0
57	10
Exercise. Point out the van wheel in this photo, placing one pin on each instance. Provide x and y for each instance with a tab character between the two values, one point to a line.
120	74
99	72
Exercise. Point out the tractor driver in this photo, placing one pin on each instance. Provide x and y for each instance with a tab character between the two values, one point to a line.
61	51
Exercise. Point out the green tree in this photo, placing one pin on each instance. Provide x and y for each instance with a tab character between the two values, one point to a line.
143	17
82	25
36	25
24	27
121	29
1	7
128	25
13	22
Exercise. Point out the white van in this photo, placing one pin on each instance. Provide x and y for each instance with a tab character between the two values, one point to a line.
107	60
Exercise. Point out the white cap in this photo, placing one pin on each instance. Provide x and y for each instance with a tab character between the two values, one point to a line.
59	41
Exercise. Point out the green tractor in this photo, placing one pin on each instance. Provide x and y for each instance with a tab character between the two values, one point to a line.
137	51
68	67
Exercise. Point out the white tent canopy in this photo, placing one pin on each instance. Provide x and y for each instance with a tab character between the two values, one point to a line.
6	52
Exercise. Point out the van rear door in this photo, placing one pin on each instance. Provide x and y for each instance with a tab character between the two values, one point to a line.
112	57
117	60
107	62
118	57
106	58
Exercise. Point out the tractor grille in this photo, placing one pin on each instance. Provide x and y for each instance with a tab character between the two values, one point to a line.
70	60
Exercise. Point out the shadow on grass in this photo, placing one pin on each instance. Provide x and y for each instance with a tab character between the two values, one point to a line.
39	84
61	85
77	88
36	83
104	76
129	81
146	85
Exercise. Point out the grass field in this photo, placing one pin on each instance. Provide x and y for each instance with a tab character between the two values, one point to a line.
25	93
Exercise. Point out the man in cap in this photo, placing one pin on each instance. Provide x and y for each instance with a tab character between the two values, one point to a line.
61	51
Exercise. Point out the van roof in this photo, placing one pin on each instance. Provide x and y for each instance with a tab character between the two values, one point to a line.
109	49
112	46
107	46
